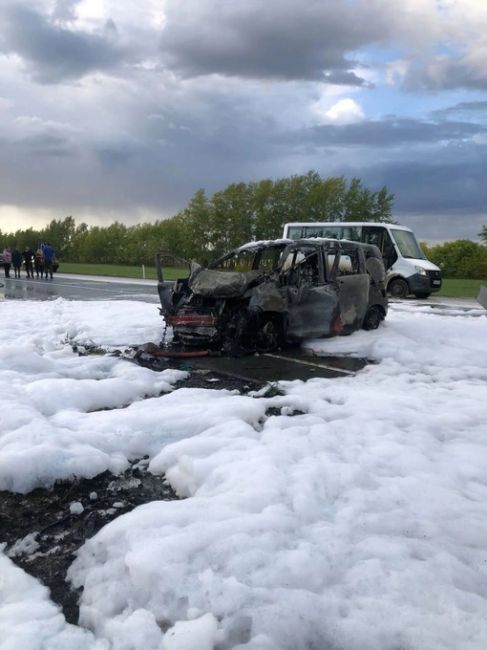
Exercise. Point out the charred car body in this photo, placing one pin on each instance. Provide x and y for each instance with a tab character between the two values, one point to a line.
265	295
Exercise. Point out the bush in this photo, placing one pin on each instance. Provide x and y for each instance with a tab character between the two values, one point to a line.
459	259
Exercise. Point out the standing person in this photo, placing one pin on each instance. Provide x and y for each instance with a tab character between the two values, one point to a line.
48	259
17	261
27	255
39	263
7	261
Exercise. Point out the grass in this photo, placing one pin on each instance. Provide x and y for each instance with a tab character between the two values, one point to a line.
120	271
460	288
451	288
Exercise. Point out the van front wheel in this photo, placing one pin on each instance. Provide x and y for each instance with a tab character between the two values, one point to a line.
398	288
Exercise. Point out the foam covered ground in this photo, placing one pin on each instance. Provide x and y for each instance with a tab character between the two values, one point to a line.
356	519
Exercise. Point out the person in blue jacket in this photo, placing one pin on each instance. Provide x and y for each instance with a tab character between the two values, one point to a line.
48	251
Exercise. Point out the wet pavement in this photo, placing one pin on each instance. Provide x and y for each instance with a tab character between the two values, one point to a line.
285	365
76	287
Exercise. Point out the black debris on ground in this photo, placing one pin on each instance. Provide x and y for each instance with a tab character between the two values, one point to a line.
44	529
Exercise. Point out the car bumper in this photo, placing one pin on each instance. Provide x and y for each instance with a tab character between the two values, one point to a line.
424	283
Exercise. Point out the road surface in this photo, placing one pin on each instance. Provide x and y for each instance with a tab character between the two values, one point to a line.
78	287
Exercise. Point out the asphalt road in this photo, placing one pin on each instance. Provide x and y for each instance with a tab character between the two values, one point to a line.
78	287
293	364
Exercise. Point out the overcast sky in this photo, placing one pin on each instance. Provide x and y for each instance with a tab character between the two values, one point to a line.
122	109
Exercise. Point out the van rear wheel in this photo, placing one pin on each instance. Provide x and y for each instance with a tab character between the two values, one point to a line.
398	288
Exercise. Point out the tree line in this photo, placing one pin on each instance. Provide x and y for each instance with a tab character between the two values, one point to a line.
210	226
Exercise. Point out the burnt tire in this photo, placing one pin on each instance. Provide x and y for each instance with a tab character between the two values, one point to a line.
372	319
258	333
422	295
269	336
398	288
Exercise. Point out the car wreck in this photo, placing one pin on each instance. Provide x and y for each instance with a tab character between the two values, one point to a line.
267	295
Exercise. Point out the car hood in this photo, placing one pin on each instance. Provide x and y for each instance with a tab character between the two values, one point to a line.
221	284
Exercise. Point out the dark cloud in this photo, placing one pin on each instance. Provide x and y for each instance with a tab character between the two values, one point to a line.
54	53
116	154
392	133
477	109
47	144
280	39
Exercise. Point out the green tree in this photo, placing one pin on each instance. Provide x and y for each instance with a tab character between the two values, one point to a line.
460	259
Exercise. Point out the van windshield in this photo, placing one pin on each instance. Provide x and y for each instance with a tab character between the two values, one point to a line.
407	244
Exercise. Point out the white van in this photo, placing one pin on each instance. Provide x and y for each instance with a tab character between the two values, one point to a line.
408	270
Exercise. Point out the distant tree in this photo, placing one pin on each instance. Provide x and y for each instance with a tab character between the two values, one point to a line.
59	233
460	259
231	213
195	221
363	205
483	234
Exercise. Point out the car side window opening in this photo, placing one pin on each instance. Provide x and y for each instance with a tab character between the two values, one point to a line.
302	266
342	263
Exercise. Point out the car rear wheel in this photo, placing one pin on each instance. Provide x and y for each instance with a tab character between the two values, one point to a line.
398	288
372	319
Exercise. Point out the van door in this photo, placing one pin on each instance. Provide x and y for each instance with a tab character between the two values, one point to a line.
380	237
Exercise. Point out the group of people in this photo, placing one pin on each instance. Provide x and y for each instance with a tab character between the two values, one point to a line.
41	262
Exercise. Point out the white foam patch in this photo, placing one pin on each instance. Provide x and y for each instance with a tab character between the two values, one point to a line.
360	523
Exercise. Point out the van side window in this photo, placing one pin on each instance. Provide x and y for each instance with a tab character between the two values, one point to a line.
373	236
353	233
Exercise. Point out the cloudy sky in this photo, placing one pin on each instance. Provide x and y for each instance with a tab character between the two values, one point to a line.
122	109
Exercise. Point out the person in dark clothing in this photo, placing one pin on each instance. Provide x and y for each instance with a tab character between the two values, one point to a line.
29	269
48	251
7	261
39	263
17	261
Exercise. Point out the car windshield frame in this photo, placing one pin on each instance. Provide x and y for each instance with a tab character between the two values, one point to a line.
254	254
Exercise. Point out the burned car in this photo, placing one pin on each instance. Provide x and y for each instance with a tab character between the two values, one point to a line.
265	295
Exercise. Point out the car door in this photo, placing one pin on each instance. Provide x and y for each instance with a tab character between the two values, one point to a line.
347	270
312	302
